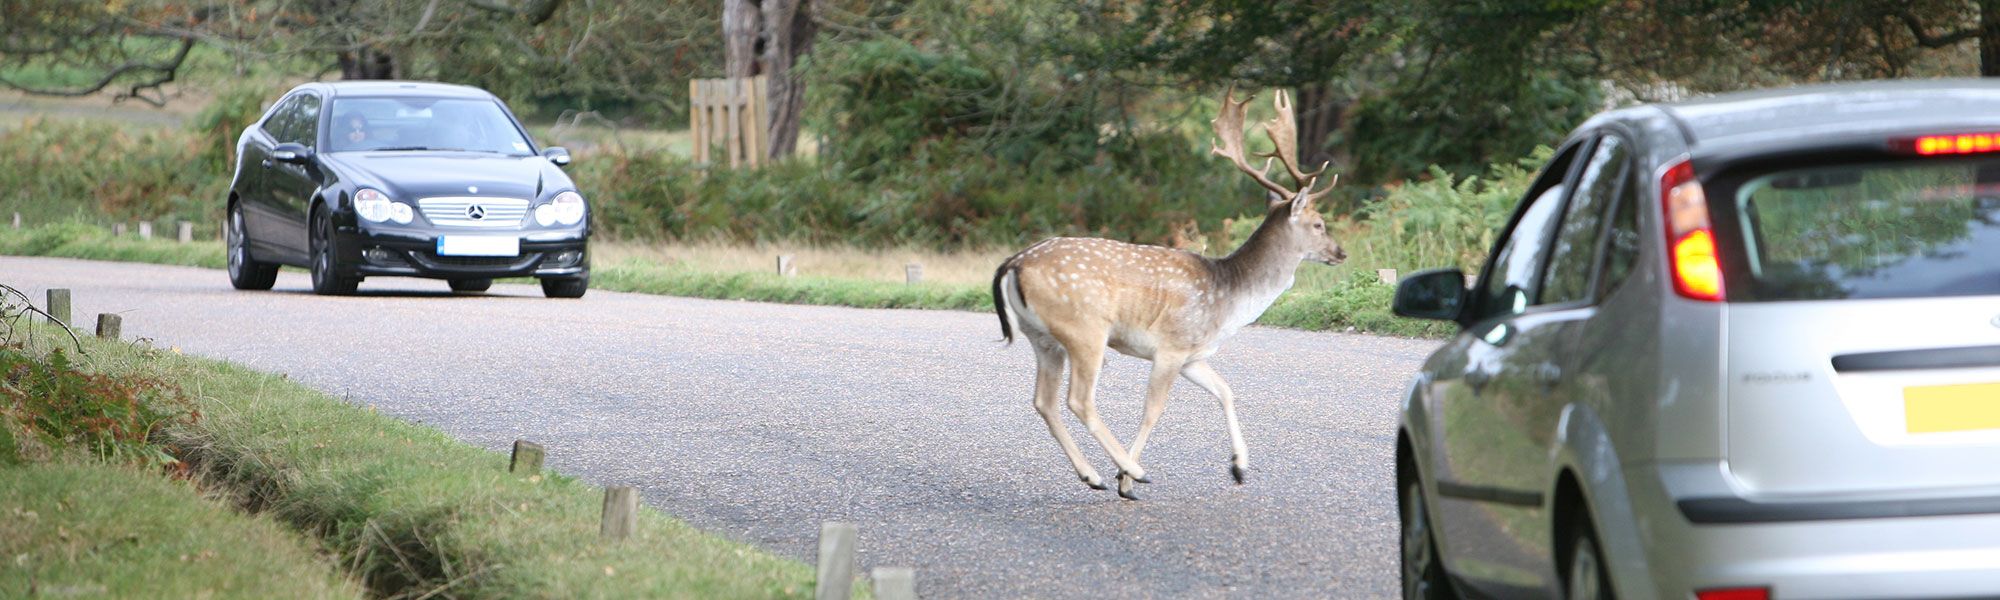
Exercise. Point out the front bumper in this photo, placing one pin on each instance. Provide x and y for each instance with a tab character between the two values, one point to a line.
1822	552
411	252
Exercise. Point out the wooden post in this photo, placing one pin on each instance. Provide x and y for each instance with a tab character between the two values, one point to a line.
59	305
836	561
1471	280
145	230
621	512
527	459
913	273
17	220
185	233
222	233
895	583
108	325
117	230
1387	276
785	266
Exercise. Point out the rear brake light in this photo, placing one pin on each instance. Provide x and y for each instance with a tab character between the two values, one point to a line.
1734	594
1963	143
1690	237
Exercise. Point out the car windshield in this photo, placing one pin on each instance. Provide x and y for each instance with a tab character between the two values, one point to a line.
1890	230
394	124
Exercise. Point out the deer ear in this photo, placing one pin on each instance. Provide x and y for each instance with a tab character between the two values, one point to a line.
1272	199
1302	203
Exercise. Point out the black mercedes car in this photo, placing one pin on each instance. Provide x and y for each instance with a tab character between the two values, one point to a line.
353	179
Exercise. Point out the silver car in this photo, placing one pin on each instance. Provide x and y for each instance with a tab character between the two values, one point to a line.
1743	347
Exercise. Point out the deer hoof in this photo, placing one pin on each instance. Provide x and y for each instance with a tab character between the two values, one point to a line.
1125	475
1125	489
1094	483
1239	473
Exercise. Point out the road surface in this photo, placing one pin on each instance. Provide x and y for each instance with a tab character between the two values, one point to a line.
759	421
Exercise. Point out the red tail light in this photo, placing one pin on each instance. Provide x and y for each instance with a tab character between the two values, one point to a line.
1964	143
1734	594
1690	237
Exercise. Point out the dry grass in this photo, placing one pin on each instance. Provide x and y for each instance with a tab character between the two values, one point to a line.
966	267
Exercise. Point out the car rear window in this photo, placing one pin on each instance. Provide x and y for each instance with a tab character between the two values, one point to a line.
1884	230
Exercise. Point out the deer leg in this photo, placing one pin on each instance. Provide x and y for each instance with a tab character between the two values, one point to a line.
1162	382
1202	375
1048	390
1084	363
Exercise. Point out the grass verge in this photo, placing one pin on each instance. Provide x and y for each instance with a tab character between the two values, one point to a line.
77	529
410	511
1324	300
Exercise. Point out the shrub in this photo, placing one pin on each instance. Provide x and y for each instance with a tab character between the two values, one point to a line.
52	404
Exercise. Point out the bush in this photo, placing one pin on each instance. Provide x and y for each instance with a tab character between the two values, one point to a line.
52	405
52	170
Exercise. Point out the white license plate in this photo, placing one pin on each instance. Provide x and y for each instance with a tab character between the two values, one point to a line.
478	245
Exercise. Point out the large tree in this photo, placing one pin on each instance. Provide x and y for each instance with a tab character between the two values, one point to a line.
767	37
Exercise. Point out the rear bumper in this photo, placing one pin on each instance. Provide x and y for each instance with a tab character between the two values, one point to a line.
552	255
1821	548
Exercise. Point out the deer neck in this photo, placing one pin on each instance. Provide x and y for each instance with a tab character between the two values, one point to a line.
1255	274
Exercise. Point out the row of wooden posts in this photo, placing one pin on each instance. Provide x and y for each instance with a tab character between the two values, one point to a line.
913	273
184	231
836	540
109	325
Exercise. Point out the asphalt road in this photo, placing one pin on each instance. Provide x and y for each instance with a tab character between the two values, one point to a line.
759	421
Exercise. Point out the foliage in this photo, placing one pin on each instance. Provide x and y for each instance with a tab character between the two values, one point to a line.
218	125
54	405
86	529
52	170
411	510
1445	221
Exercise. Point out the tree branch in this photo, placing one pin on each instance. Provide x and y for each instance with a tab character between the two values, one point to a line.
165	71
1925	39
535	12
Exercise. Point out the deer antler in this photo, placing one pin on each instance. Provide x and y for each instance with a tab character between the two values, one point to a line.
1283	132
1229	141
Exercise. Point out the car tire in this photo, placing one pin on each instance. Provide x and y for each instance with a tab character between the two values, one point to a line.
245	273
471	285
1423	570
1584	575
326	278
566	288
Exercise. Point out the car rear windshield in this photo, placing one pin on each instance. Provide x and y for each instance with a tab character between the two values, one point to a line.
1884	230
387	124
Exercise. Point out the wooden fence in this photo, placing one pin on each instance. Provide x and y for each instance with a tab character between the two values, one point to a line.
728	113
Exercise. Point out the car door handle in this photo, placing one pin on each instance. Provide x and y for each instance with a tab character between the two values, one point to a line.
267	163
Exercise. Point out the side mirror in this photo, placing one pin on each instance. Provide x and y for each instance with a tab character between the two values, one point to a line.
1433	294
292	152
557	155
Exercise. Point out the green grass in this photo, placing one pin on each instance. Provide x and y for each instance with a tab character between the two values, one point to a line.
1323	301
409	510
77	529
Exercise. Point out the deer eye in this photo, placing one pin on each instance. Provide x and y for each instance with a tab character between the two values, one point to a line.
1319	226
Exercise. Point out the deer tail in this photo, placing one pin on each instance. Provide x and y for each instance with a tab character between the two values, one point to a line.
1001	276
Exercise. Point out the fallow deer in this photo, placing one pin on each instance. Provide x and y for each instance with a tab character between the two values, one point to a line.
1073	297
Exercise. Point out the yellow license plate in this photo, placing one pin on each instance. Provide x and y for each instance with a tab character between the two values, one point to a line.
1938	408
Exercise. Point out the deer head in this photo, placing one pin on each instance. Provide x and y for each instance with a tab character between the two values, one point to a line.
1292	222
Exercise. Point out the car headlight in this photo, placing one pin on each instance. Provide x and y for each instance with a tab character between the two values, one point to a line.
376	206
566	208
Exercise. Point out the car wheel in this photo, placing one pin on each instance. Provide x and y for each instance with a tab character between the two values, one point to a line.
1584	577
565	288
326	277
471	285
245	273
1423	572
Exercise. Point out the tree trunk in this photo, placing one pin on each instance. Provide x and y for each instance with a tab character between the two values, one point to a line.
1317	112
367	63
767	37
1989	38
790	31
742	30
